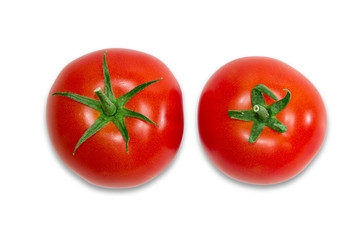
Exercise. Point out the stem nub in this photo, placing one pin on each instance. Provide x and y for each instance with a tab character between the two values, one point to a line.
261	112
108	107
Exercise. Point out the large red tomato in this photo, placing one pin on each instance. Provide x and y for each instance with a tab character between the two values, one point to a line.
115	117
248	133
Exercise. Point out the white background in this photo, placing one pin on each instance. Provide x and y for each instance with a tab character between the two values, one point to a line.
42	199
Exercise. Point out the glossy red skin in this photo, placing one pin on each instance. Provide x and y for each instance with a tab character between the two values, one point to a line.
102	159
274	157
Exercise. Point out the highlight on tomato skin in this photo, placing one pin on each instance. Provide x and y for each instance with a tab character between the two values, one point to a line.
115	117
260	121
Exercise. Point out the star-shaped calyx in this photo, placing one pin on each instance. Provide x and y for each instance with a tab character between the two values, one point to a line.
111	109
261	114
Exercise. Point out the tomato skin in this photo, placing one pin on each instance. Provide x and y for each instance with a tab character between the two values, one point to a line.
274	157
102	159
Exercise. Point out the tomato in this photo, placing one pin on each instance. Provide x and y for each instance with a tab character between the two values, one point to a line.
129	134
266	148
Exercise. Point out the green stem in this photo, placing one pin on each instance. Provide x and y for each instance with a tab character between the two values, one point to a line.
111	109
261	112
108	107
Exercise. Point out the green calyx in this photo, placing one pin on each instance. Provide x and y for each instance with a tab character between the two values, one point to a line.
111	109
261	114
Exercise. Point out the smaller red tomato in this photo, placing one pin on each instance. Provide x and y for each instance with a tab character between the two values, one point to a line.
248	133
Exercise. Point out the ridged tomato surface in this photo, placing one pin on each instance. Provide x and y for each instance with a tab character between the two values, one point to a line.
102	159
